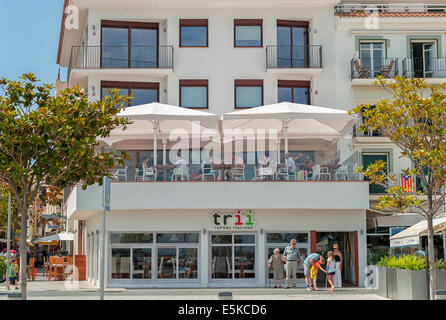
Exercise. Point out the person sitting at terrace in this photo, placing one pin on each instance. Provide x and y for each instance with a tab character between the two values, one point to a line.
229	175
208	167
179	162
264	161
238	162
308	166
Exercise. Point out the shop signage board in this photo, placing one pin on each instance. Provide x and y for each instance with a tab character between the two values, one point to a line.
237	221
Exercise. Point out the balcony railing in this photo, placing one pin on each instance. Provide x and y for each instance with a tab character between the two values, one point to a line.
422	68
302	56
121	57
362	68
411	8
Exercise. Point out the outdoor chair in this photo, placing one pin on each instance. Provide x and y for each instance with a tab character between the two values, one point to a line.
148	174
342	171
206	172
316	175
385	70
56	268
362	71
324	172
182	172
31	269
238	173
120	173
69	267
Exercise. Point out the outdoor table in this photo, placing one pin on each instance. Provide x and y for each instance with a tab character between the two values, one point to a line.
266	172
164	168
331	168
222	168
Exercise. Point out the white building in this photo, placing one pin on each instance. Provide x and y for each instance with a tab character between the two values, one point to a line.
221	56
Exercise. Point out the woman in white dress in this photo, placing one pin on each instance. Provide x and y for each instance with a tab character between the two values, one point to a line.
338	258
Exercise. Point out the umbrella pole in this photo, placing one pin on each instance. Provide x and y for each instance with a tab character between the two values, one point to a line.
155	138
164	151
285	132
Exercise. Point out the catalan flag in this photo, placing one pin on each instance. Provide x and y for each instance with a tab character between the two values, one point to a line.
406	182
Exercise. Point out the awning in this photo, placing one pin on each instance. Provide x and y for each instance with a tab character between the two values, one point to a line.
63	236
411	236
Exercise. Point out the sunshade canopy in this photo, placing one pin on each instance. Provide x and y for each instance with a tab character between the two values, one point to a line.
63	236
300	121
411	236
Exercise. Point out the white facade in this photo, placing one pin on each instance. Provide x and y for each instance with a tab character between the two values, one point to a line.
187	207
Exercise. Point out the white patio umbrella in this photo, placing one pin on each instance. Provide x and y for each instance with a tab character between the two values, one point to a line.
62	236
156	119
292	120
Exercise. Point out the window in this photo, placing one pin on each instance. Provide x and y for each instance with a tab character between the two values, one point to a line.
294	91
372	55
233	256
248	93
194	94
143	92
193	32
292	44
370	158
248	33
129	44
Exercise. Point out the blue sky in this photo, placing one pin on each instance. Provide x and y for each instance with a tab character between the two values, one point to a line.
29	37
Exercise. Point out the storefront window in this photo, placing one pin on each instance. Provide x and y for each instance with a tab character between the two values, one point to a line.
142	263
188	263
233	256
120	263
132	237
286	237
167	263
177	238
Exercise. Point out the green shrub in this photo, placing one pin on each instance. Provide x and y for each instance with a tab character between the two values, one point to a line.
440	264
2	267
406	262
376	255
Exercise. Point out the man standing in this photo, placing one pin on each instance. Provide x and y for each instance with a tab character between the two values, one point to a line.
308	263
291	257
290	165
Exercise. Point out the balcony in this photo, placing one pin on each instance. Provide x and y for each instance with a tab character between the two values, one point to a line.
433	68
133	196
136	59
302	59
364	71
390	10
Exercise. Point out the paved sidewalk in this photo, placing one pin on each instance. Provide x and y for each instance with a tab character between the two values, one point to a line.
42	289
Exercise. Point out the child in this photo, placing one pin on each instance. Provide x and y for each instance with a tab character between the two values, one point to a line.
313	272
331	269
13	269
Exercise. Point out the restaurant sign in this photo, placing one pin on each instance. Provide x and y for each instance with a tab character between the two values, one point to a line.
237	221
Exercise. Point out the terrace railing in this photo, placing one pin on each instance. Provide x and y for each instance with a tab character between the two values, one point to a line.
362	68
300	56
422	68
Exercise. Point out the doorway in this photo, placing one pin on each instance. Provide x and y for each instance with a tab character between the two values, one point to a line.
423	58
292	44
370	158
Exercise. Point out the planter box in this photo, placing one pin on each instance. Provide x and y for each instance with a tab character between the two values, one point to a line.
412	285
382	282
441	279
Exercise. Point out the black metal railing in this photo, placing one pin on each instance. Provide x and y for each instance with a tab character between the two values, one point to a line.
424	68
368	69
118	57
303	56
409	8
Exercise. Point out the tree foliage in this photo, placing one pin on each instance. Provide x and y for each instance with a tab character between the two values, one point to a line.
48	140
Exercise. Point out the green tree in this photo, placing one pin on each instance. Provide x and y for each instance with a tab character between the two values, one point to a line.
414	119
51	140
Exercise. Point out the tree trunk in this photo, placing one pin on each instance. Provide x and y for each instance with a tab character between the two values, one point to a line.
431	257
23	251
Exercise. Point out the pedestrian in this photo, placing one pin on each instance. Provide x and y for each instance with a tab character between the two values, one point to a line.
331	269
338	258
308	263
291	257
3	253
313	272
275	263
13	269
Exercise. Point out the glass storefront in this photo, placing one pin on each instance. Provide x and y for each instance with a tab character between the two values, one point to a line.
281	240
154	256
233	256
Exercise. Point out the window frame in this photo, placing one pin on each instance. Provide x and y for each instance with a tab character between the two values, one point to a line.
248	23
129	85
294	84
129	25
194	83
193	23
247	83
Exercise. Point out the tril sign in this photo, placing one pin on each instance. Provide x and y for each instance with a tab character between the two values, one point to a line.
236	221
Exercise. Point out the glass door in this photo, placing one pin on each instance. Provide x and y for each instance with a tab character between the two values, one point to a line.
372	57
292	46
370	158
233	256
428	57
144	48
423	58
281	240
